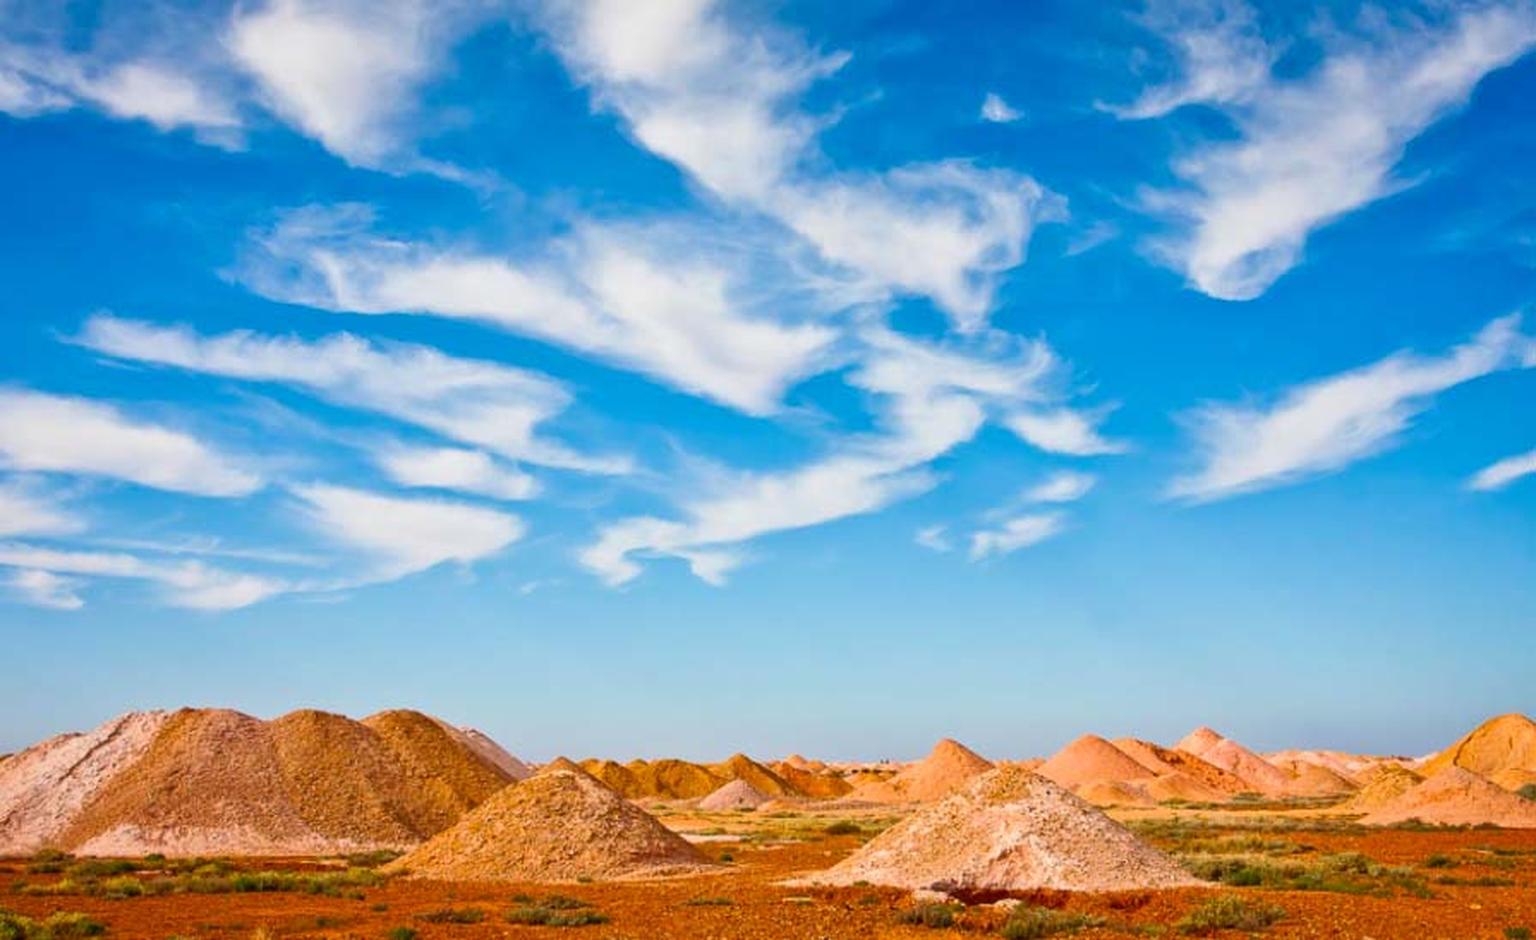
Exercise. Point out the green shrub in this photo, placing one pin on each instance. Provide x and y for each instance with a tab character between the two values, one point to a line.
1517	933
1031	923
449	915
1439	861
1229	912
930	915
59	926
554	911
1528	791
843	827
708	902
401	933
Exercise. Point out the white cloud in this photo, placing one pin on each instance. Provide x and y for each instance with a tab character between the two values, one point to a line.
934	538
718	99
24	511
1327	424
346	73
1221	55
929	401
1016	533
46	589
1065	486
404	536
1063	431
1502	473
188	584
1311	148
663	302
451	468
473	401
54	433
42	78
997	111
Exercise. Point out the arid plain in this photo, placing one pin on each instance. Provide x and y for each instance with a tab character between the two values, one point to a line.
211	823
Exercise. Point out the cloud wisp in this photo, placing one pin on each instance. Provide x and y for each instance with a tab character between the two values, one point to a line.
1502	473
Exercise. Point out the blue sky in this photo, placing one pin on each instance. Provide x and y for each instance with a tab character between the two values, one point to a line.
678	378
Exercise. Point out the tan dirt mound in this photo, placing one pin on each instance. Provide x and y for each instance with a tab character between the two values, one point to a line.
1166	760
450	777
949	766
1009	830
742	767
738	794
1178	785
615	776
1384	787
557	826
1314	780
672	779
499	757
1507	742
1091	759
1258	774
1114	793
1514	778
45	786
1457	797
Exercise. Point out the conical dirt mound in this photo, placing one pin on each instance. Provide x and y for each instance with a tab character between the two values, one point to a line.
949	766
742	767
1009	830
1385	786
1256	772
738	794
1091	759
1457	797
672	779
1507	742
556	826
812	781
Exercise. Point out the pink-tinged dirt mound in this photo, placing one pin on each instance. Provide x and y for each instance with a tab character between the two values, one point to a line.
43	788
1382	789
1507	742
556	826
949	766
1164	760
1009	830
498	756
1257	773
1315	780
1457	797
1091	759
738	794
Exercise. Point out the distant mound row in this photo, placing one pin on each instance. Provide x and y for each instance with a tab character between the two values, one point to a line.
214	781
671	779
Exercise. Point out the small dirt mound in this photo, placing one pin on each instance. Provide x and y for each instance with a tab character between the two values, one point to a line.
1009	830
949	766
556	826
1385	785
813	782
738	794
1178	785
1507	742
742	767
613	774
1091	759
1309	779
1457	797
672	779
1114	793
1164	760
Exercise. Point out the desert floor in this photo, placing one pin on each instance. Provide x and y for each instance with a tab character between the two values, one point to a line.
1356	882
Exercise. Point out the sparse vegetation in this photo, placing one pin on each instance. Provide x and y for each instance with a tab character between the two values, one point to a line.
1229	912
1030	923
930	915
451	915
216	881
59	926
1346	873
843	827
1439	860
708	902
401	933
1517	933
554	910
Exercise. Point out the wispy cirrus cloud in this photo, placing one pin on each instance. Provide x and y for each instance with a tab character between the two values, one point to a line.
63	434
1063	486
1502	473
476	402
452	468
189	584
1313	147
1016	532
719	98
27	510
1322	426
45	589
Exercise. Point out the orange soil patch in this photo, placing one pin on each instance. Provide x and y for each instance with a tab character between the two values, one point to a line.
1457	797
1091	759
556	826
1009	830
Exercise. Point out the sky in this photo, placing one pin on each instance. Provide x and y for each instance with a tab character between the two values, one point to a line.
685	377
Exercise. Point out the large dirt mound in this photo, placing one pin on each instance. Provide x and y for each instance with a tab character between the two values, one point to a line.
43	788
949	766
213	781
483	745
672	779
556	826
738	794
1457	797
1009	830
1091	759
1507	742
614	775
1257	773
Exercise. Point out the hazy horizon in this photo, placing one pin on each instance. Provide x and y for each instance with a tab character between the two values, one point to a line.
675	380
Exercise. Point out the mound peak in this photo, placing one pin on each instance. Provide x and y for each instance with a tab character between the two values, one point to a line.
556	826
1009	830
946	768
1225	753
1091	759
1507	742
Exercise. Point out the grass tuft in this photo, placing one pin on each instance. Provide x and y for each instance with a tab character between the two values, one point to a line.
1229	912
